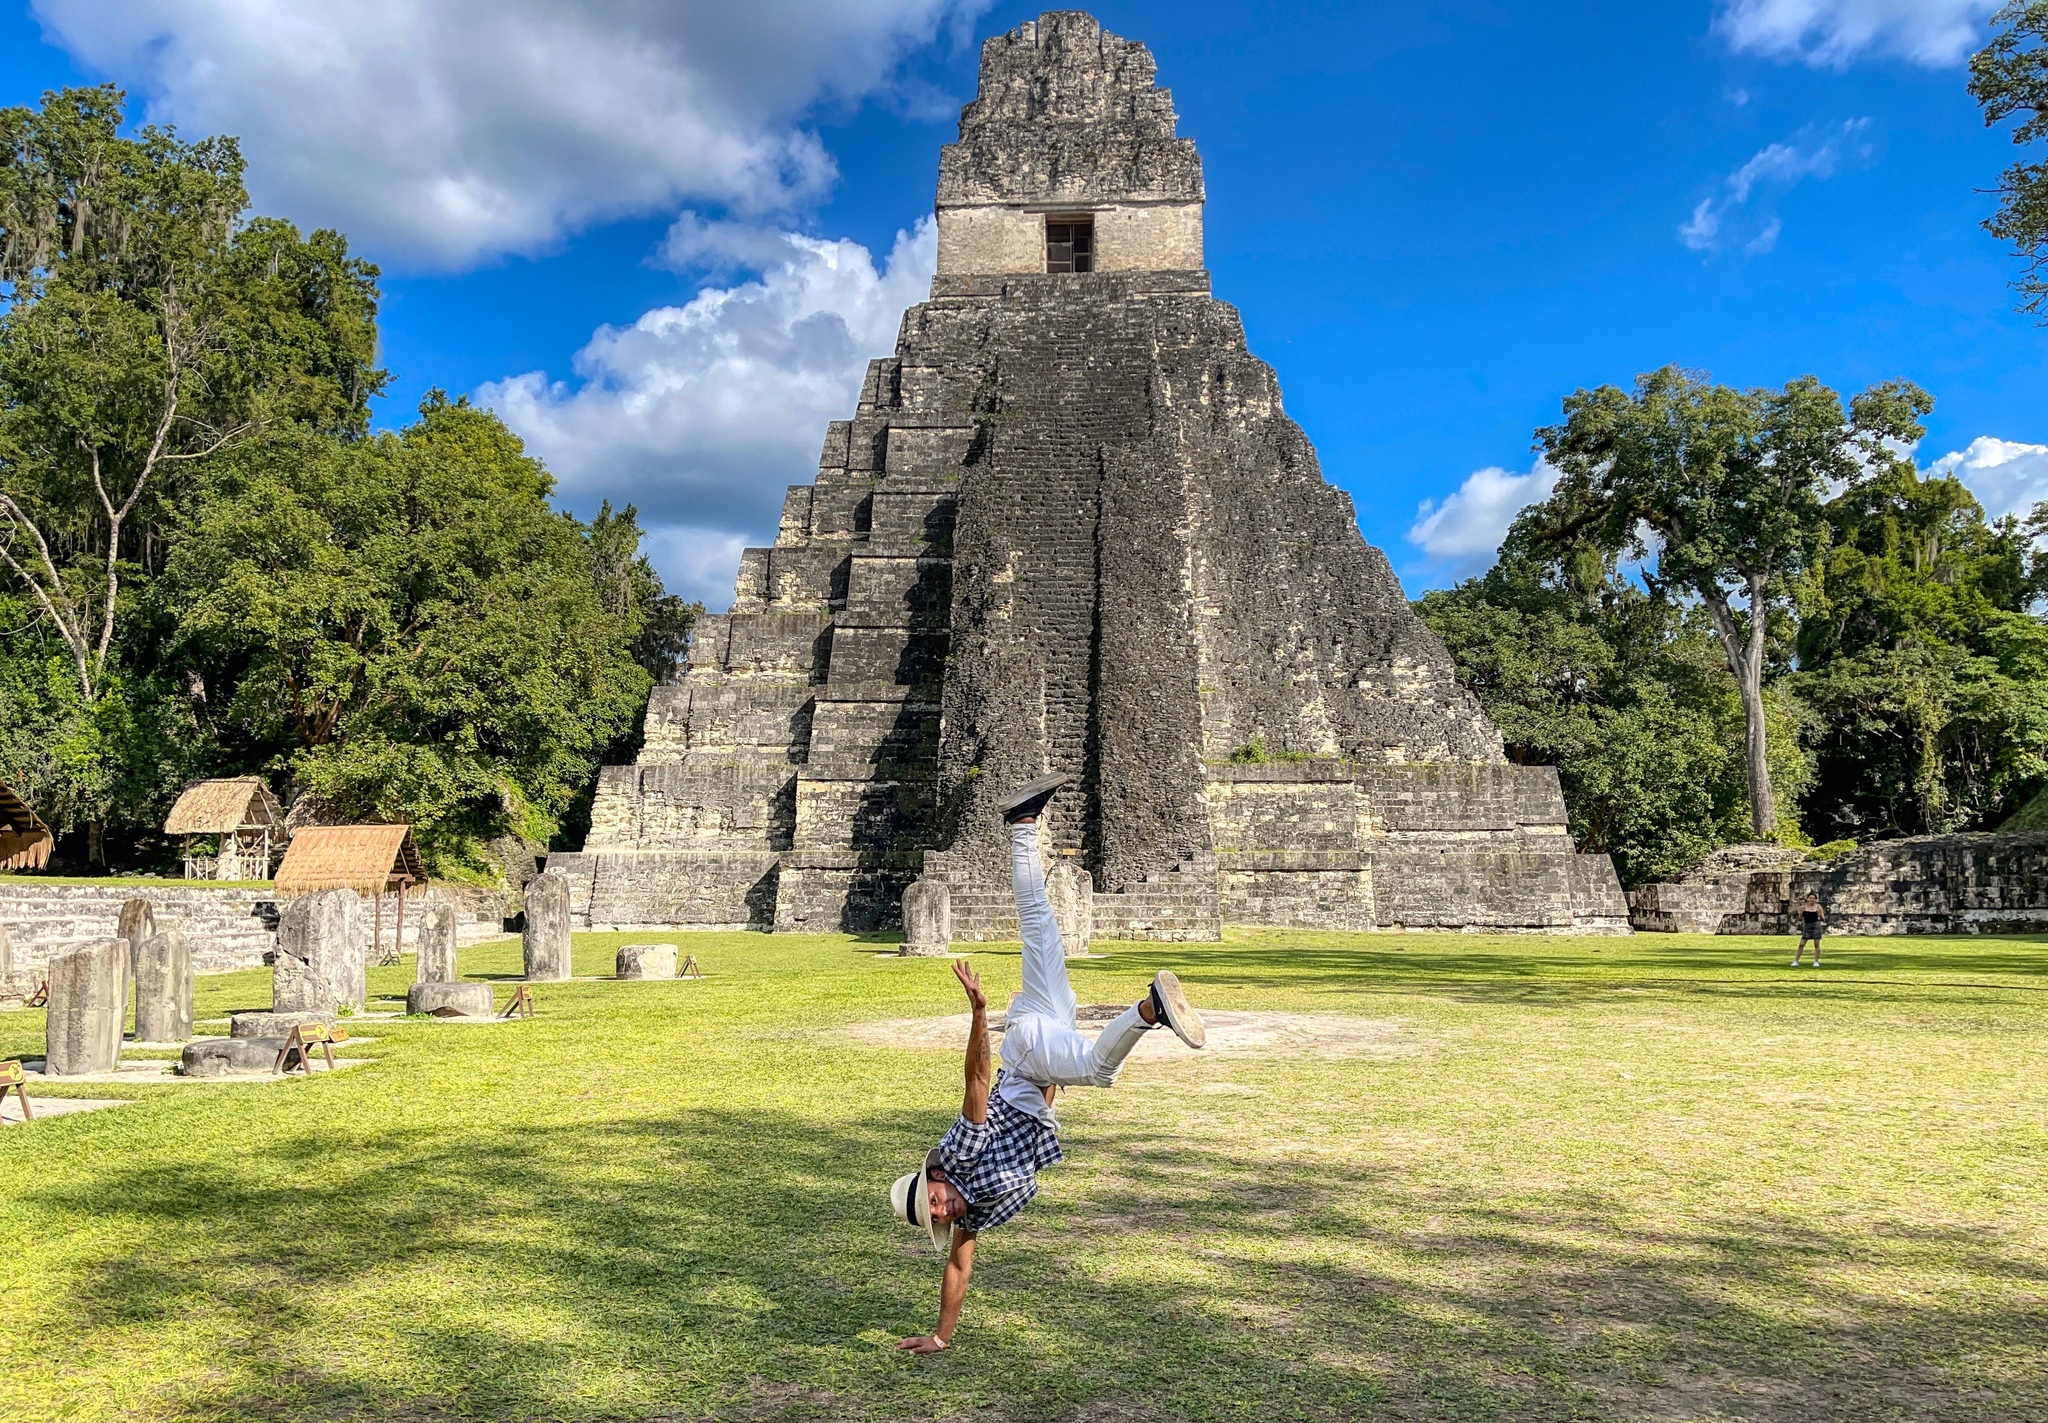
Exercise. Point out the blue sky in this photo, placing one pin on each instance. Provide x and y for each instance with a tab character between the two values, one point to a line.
663	240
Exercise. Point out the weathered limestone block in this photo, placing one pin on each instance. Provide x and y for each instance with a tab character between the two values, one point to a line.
1072	892
87	1008
436	941
230	1057
319	960
546	941
163	989
272	1025
138	922
647	961
927	919
451	1000
15	986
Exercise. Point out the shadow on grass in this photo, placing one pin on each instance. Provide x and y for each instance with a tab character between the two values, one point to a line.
738	1264
1532	971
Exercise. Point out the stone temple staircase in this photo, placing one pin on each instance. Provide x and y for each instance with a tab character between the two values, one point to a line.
1175	906
1178	906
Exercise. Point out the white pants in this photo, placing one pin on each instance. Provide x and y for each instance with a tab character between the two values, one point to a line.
1041	1045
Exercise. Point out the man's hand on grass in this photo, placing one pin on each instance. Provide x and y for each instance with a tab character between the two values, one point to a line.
923	1344
970	981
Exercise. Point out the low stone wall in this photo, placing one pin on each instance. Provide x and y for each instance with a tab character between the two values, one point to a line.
1936	884
1299	844
670	889
225	928
1416	846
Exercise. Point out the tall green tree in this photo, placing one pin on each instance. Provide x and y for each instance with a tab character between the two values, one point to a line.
1926	672
1717	493
147	329
2009	77
1622	688
408	626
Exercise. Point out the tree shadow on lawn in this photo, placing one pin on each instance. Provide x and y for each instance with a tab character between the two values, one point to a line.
1535	974
739	1264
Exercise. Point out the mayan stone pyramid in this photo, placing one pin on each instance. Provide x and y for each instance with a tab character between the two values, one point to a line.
1070	528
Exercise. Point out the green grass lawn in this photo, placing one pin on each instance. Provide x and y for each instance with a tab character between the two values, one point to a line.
1658	1177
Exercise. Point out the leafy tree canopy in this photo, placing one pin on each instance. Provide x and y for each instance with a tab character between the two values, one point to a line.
1623	689
411	630
147	329
2009	77
1718	494
1928	675
1903	662
208	565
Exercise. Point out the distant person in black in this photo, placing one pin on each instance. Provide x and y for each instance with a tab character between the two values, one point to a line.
1813	922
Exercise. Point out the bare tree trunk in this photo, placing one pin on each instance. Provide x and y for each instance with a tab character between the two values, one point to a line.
1746	662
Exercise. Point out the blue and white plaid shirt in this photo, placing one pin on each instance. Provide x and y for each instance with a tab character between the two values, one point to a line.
995	1164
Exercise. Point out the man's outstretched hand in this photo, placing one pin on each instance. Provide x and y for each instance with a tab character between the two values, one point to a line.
923	1344
970	981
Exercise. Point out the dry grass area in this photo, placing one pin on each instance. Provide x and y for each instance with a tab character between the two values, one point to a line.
1659	1178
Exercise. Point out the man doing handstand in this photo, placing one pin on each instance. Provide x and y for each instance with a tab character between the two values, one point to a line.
986	1168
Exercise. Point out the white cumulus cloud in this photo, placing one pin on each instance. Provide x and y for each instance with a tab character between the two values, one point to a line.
1833	33
1462	534
2007	477
438	132
703	414
1729	217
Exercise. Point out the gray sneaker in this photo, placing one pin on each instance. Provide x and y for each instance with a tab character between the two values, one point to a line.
1029	799
1173	1009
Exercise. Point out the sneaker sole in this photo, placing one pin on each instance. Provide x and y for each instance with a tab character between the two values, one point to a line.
1181	1016
1028	792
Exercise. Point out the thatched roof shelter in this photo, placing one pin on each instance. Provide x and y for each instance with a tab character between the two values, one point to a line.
25	842
223	807
370	859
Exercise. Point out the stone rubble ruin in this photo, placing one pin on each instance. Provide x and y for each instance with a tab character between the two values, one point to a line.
1070	528
1979	883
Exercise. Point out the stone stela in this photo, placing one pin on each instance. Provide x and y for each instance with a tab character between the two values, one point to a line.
440	989
163	988
1071	528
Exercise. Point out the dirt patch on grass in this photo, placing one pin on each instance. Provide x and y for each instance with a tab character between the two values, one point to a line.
1230	1034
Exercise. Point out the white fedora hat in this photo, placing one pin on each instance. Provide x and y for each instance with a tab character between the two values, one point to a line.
911	1202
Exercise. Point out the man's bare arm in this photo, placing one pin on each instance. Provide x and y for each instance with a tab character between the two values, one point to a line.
974	1106
952	1295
